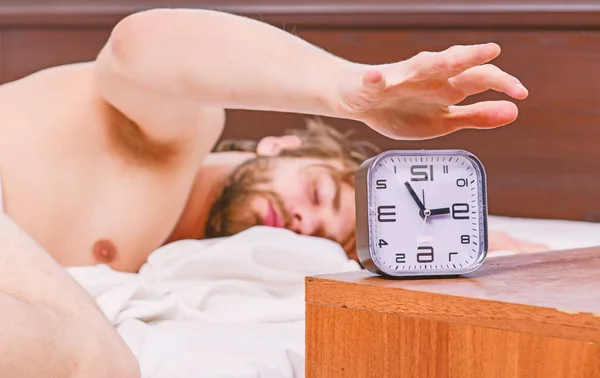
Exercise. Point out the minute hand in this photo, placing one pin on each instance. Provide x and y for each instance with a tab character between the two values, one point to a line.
415	196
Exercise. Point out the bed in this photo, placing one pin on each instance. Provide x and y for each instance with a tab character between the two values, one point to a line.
191	311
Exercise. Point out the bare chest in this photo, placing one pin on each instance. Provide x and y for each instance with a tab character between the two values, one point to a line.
84	202
130	217
85	212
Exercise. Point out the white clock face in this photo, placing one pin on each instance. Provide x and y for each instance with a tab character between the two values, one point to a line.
427	213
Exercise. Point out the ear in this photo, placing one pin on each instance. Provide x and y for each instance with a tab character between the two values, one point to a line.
271	146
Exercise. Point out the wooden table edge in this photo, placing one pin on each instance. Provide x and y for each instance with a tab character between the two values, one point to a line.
327	290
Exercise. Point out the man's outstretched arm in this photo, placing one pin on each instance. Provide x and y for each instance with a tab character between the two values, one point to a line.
158	63
227	61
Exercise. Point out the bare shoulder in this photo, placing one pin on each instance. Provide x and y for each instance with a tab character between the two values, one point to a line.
68	96
154	102
67	155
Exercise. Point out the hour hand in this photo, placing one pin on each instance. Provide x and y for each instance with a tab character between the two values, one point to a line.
440	211
415	196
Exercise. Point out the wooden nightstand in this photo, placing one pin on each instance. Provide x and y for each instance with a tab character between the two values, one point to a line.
522	316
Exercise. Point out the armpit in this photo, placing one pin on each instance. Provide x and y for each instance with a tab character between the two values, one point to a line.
130	142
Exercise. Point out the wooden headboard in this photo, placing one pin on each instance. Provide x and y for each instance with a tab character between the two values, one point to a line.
545	165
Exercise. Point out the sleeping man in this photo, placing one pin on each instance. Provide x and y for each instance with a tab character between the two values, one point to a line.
105	161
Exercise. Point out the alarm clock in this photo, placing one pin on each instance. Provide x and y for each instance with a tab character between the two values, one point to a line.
421	213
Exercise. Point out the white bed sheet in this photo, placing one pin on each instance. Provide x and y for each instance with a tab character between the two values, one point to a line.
234	307
556	234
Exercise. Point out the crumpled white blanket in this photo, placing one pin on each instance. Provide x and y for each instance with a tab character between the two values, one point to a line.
230	307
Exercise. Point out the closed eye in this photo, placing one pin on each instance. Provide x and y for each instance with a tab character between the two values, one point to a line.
315	192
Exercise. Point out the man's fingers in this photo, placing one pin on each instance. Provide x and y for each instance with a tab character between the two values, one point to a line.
481	115
482	78
451	62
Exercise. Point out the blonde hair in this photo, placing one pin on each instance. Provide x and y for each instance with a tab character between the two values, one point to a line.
319	140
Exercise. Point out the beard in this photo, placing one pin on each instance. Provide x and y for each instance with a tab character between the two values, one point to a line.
231	213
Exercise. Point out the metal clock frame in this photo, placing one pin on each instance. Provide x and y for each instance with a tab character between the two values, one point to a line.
363	190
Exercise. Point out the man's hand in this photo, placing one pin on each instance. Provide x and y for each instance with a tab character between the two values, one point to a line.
417	98
197	62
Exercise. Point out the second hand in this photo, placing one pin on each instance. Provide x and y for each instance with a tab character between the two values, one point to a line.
426	214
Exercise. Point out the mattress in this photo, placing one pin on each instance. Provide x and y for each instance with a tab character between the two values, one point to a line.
556	234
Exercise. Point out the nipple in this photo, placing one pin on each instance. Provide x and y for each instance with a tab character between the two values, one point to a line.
104	251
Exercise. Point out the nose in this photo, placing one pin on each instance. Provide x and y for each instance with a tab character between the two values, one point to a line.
306	222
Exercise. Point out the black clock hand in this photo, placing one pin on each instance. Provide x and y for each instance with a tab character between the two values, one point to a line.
415	196
441	211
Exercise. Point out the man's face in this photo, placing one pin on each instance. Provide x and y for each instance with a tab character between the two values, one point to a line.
306	195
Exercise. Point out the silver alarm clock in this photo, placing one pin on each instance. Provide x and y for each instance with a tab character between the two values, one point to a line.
421	213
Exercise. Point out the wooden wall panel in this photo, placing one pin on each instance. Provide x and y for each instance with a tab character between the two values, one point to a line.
548	156
323	13
25	51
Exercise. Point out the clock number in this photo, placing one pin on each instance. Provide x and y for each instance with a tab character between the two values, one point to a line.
381	184
400	258
386	213
450	255
465	239
425	257
458	209
421	172
461	183
382	243
445	169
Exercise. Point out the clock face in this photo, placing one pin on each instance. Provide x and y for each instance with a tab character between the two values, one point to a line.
426	212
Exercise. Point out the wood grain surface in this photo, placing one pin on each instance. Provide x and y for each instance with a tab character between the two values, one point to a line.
550	293
535	315
545	164
362	344
320	13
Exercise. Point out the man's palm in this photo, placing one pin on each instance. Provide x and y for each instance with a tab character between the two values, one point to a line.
416	98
